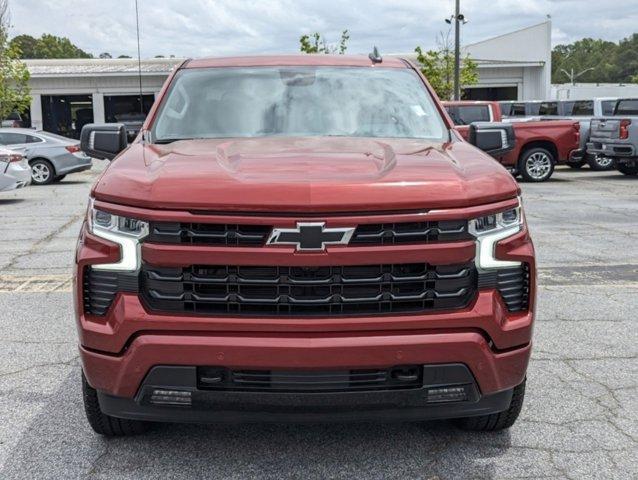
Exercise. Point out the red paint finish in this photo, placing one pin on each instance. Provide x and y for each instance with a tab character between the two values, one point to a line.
122	375
562	136
305	175
278	182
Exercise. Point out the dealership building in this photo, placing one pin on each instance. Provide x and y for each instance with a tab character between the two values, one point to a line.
67	94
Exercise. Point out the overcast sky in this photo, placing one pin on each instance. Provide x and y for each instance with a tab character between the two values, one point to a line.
192	28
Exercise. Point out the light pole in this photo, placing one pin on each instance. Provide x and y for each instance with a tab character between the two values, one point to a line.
573	77
458	18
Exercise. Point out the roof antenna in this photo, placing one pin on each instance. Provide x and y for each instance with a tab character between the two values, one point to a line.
139	57
375	56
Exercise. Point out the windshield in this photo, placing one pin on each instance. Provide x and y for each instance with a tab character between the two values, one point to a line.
298	101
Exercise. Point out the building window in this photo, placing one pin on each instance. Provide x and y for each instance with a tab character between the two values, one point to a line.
66	114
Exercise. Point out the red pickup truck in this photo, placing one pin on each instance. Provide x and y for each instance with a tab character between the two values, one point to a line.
539	144
305	238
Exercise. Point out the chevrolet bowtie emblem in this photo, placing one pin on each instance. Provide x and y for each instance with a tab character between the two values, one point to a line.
310	236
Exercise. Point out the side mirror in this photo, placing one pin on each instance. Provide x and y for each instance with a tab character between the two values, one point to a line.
103	141
494	138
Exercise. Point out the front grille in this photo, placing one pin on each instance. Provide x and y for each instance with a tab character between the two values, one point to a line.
512	283
218	378
101	286
307	291
256	235
414	232
208	233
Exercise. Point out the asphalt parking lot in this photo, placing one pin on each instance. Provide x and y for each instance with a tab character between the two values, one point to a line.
580	418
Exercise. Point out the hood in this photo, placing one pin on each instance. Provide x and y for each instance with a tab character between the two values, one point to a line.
332	174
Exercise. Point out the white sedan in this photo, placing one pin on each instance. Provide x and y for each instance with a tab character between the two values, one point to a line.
15	171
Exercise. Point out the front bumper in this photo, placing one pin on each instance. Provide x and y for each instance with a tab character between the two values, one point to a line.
119	349
205	406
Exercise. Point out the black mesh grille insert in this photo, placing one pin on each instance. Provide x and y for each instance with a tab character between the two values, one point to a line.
208	233
101	286
256	235
414	232
217	378
302	291
512	283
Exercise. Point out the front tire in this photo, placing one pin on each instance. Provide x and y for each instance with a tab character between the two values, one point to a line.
42	172
105	424
536	165
59	178
627	169
496	421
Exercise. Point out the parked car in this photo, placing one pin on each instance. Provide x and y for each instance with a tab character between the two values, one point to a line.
14	170
301	238
540	145
50	156
617	136
584	111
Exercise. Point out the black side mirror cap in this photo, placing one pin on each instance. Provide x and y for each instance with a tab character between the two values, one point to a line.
494	138
103	140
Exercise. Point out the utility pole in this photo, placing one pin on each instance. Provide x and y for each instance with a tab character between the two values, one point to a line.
139	56
457	50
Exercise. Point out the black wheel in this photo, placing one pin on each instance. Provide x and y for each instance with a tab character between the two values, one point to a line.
105	424
627	169
496	421
59	178
576	165
600	163
42	172
536	165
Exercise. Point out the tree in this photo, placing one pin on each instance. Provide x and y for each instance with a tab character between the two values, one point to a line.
47	46
27	45
105	55
124	56
14	76
599	55
316	43
438	67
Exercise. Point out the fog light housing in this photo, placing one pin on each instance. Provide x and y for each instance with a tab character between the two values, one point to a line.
171	397
447	394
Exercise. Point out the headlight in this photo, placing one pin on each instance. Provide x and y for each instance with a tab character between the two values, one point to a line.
491	229
126	232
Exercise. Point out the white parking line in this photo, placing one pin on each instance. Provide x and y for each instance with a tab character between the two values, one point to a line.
36	283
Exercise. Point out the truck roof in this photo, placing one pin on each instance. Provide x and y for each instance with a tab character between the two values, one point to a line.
294	61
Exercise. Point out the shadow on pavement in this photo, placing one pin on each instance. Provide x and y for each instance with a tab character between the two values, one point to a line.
10	201
59	444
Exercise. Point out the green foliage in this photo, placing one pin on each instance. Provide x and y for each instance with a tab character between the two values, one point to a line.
315	43
611	62
47	46
438	67
14	80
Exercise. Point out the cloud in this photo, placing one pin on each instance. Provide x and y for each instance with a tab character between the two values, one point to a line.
191	28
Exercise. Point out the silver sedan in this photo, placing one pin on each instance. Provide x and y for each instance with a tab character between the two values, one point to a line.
50	156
